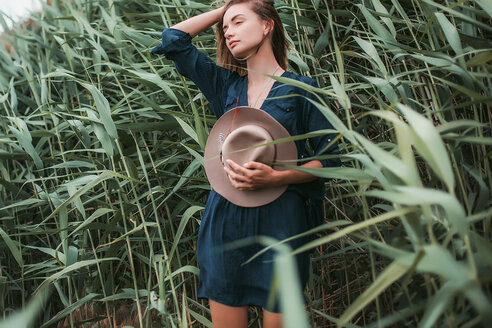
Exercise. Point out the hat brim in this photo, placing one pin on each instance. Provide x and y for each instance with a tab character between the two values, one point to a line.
286	153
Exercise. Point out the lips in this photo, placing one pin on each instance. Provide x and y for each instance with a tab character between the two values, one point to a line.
233	43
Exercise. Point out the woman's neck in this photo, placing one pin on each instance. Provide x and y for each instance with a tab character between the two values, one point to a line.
263	62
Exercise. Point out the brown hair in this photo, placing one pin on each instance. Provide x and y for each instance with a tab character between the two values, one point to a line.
266	11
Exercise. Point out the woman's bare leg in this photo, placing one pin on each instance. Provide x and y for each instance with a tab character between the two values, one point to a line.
224	316
272	319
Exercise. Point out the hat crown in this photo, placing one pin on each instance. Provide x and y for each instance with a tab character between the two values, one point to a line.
243	145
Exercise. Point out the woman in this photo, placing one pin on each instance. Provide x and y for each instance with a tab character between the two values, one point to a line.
250	40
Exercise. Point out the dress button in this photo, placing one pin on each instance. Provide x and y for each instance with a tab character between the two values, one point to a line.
287	109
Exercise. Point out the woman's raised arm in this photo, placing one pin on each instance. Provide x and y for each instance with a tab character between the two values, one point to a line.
197	24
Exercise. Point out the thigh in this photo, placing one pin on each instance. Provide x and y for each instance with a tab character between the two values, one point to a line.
272	319
225	316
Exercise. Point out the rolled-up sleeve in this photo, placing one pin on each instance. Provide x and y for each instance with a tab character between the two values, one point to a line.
314	120
191	63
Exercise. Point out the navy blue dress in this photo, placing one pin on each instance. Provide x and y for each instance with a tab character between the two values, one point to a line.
224	276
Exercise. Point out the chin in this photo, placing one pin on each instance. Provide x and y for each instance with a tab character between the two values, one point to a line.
240	54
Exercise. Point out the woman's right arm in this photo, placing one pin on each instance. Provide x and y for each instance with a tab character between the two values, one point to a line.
197	24
176	45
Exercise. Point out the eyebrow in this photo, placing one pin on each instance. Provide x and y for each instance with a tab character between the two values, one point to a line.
233	18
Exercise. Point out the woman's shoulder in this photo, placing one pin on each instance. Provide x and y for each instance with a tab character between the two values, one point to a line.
301	78
305	89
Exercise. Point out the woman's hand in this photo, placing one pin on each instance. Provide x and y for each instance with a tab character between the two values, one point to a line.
255	175
251	176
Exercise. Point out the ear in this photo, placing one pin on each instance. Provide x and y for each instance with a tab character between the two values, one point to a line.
268	27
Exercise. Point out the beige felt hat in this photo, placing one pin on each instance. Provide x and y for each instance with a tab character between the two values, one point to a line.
238	135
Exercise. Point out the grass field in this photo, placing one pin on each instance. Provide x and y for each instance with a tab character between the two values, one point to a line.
102	185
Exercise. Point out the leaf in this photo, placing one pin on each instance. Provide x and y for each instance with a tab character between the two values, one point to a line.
322	41
128	293
378	28
194	165
290	292
370	50
101	133
72	164
74	267
13	249
26	317
479	59
486	5
182	224
201	319
13	95
72	307
50	251
24	202
340	92
386	20
355	227
96	179
385	86
390	162
24	137
102	106
429	144
187	268
187	129
98	213
451	34
344	173
157	80
101	103
136	36
294	57
415	196
458	125
82	20
384	279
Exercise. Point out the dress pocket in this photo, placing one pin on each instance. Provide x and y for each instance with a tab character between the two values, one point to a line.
230	103
285	112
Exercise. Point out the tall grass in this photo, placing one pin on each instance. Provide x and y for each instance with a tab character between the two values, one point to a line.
101	166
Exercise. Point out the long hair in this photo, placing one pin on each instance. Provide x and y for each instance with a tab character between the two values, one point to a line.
266	11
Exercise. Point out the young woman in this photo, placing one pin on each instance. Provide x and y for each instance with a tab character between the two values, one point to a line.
251	45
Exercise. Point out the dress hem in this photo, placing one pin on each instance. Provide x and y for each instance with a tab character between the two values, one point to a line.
241	304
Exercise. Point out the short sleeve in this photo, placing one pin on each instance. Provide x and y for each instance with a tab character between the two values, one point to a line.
314	120
191	63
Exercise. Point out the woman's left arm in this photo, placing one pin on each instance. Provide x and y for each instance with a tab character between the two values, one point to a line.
256	175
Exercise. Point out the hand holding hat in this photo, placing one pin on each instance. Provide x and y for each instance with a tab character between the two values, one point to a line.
244	135
251	175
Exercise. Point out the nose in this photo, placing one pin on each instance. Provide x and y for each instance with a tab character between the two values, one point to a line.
228	33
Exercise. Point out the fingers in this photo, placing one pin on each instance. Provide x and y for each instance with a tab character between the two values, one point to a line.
256	166
238	181
250	176
239	177
238	168
236	176
240	185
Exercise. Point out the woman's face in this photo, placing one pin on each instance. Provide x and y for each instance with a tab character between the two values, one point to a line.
243	29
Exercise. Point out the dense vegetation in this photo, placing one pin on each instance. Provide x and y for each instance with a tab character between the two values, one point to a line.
101	165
